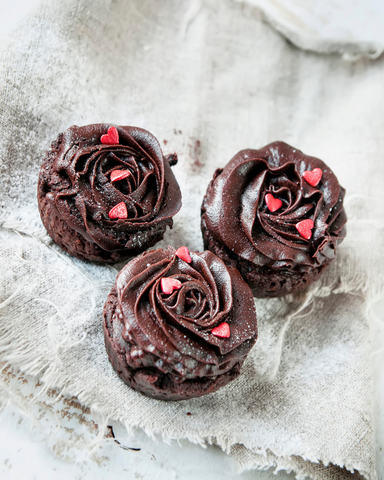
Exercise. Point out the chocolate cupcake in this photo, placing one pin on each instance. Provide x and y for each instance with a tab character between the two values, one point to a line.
107	192
277	215
178	325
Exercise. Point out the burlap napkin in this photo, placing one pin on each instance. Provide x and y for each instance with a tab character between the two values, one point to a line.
207	82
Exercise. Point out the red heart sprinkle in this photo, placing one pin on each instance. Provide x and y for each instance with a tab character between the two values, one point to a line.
183	253
304	228
112	138
221	330
273	203
118	211
119	175
169	284
313	177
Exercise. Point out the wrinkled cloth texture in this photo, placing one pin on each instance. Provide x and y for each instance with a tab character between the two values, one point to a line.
207	81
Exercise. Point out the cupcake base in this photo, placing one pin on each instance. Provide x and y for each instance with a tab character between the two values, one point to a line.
147	379
75	244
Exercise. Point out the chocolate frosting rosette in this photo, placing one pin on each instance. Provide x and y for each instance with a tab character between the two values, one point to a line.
178	324
277	215
106	192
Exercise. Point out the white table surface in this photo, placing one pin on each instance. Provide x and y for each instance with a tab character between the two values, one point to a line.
39	449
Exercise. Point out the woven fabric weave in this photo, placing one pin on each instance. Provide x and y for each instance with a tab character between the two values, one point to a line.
206	82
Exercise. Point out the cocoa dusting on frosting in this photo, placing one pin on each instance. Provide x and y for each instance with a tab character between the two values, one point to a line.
116	195
165	338
255	207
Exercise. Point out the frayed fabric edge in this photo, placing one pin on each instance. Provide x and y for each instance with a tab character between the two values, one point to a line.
50	380
18	353
266	459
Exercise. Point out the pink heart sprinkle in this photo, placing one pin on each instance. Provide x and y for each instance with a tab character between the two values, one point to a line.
222	330
313	177
183	253
304	228
112	137
169	284
118	211
117	175
273	203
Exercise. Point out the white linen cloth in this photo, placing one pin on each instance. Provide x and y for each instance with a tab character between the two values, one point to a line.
207	80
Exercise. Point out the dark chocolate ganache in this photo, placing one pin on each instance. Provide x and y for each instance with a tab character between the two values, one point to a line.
76	180
237	215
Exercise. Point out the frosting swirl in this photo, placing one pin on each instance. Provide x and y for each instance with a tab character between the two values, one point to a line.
79	185
171	336
237	215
